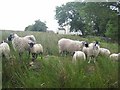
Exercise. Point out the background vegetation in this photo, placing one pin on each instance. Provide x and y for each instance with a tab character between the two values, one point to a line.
38	26
56	71
92	18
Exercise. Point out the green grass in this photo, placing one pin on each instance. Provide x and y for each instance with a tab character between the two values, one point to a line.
55	71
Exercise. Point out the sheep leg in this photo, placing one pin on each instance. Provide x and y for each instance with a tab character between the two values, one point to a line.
33	57
60	52
36	56
74	59
41	54
89	59
94	60
28	54
66	53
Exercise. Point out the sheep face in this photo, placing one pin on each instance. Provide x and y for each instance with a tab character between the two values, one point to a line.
86	44
96	47
11	37
83	42
31	44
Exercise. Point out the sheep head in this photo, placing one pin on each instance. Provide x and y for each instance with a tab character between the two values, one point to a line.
31	44
11	36
86	44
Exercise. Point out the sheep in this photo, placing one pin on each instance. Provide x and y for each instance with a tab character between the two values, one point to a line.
114	56
104	51
20	44
91	51
4	50
68	45
79	55
35	50
93	43
31	37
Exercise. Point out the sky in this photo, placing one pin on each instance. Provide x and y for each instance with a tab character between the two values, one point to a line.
18	14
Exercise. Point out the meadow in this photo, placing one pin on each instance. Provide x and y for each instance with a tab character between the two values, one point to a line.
56	71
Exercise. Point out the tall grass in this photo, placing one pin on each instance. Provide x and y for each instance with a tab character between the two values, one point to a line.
55	71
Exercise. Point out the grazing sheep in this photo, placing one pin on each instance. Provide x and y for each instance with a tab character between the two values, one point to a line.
31	37
91	51
4	50
20	44
93	43
35	50
68	45
104	51
79	55
114	56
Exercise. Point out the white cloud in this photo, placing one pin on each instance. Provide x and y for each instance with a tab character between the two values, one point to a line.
17	14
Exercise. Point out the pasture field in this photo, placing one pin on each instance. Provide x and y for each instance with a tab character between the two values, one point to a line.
56	71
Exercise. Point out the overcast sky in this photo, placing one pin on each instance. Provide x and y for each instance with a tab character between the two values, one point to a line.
17	14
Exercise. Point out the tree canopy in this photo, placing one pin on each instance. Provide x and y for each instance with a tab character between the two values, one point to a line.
94	18
38	26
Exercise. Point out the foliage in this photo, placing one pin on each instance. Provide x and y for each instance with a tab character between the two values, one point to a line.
112	29
91	18
38	26
68	14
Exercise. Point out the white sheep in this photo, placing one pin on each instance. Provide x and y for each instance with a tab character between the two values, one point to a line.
35	49
114	56
4	50
20	44
31	37
94	43
78	55
68	45
91	51
104	51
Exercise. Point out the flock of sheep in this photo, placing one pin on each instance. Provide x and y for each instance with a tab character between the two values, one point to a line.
82	50
79	49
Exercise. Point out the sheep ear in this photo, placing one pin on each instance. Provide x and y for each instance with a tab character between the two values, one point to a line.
73	53
83	42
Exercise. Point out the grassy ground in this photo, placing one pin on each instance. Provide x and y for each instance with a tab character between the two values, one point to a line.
55	71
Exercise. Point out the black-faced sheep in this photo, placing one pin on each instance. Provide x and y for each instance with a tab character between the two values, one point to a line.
91	51
35	50
31	37
20	44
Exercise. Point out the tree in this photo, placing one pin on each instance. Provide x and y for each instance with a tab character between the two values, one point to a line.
38	26
69	14
29	28
99	13
92	18
112	29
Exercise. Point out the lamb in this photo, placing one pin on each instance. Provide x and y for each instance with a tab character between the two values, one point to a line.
114	56
4	50
78	55
104	51
20	44
91	51
68	45
35	50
